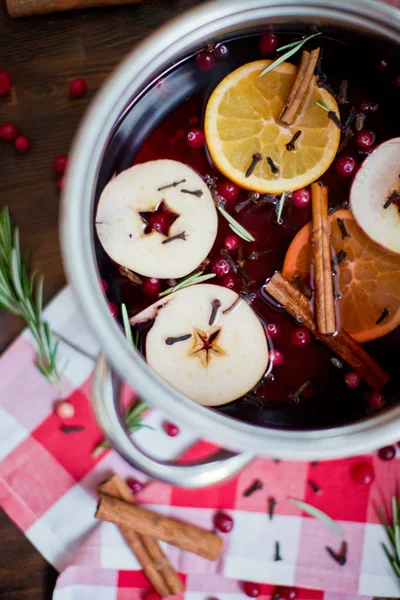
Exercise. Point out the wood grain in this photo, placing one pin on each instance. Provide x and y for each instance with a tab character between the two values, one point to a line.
28	8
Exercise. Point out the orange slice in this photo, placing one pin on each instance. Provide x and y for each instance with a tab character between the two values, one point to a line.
368	278
241	120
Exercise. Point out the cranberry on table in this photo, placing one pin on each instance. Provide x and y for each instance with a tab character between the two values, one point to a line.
220	267
151	287
22	143
170	428
300	337
346	166
230	281
375	400
223	522
301	198
277	358
113	309
60	163
228	190
5	82
65	410
363	473
77	88
273	330
195	138
160	222
231	242
251	589
365	140
387	453
352	380
134	485
8	132
205	61
268	44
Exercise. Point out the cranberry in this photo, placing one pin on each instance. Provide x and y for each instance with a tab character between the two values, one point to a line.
268	44
375	400
60	163
77	88
104	285
365	140
383	64
160	222
397	81
113	309
300	337
231	242
228	190
151	287
134	485
170	428
5	82
221	51
223	522
273	330
60	183
363	473
352	380
22	143
195	138
65	410
387	453
369	107
346	166
301	198
284	593
277	358
220	267
252	590
230	281
8	132
205	61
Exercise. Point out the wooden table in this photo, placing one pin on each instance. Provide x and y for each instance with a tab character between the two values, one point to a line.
43	54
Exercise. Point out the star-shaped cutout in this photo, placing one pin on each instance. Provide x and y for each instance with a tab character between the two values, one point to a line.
205	344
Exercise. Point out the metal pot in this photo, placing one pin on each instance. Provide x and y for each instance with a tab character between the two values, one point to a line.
186	34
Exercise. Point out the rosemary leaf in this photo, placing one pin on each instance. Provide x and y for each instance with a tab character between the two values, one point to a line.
127	325
322	105
318	514
235	226
291	49
191	280
279	208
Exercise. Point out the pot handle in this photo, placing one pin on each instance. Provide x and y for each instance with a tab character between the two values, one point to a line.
213	469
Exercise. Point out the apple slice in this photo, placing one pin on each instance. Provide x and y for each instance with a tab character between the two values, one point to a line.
373	187
206	342
121	226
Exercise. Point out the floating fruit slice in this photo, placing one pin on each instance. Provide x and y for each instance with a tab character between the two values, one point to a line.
127	203
206	342
241	121
375	183
368	278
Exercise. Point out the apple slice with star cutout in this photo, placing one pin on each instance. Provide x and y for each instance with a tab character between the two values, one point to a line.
206	342
375	196
184	205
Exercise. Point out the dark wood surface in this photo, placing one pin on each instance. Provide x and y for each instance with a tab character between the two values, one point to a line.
43	54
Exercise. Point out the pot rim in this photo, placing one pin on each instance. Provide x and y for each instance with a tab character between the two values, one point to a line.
151	56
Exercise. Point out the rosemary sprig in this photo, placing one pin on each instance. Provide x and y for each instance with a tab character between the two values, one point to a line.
191	280
322	105
291	49
22	296
279	208
318	514
392	551
235	226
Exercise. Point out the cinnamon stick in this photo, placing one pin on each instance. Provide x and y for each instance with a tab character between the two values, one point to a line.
155	564
324	300
301	84
183	535
297	305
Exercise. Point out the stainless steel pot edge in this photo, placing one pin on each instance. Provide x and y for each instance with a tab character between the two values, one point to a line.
153	55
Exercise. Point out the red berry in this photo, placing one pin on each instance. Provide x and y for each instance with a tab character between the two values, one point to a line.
300	337
77	88
397	81
195	138
375	400
352	380
5	82
151	287
65	410
60	163
277	358
346	166
252	590
160	222
228	190
221	51
369	107
273	330
8	132
220	267
363	473
365	140
290	594
134	485
301	198
231	242
387	453
22	143
268	44
285	593
223	522
205	61
170	428
104	285
230	281
113	309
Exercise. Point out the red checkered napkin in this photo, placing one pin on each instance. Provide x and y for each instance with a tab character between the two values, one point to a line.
48	481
